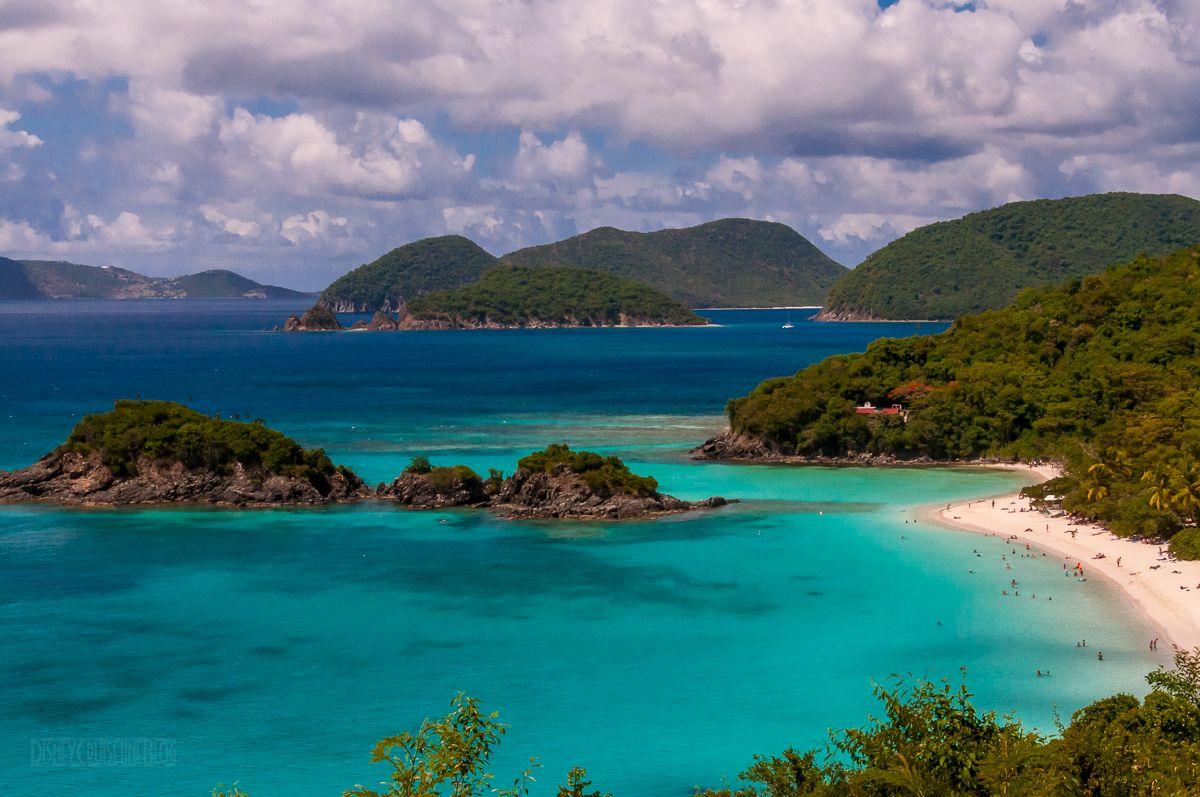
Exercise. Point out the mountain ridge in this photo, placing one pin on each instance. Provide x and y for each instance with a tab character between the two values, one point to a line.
732	262
982	260
59	279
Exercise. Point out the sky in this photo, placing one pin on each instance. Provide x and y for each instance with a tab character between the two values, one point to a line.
291	140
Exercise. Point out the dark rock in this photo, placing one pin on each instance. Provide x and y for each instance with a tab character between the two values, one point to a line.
74	479
314	319
562	493
438	489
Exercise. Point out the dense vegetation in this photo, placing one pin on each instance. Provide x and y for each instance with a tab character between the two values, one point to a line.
981	261
933	741
604	475
521	296
726	263
1102	373
930	742
408	272
52	279
443	477
164	431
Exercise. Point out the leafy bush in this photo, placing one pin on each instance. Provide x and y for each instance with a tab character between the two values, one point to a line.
518	295
1186	544
931	741
1102	373
454	476
603	475
419	464
164	431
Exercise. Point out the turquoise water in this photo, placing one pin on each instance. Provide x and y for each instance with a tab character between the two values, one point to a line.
273	647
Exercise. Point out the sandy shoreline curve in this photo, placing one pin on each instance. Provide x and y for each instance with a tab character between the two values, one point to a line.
1163	591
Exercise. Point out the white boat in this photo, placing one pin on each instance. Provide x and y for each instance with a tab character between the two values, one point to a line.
789	324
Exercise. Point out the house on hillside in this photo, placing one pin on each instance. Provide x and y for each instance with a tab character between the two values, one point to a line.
868	408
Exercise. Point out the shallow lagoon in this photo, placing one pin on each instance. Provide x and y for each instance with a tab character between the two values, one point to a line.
274	647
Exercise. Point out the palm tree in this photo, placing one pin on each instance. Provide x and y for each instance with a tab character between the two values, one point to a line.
1159	479
1186	483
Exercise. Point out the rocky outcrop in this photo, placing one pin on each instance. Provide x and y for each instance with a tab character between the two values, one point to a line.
437	489
72	478
381	321
562	493
734	447
315	319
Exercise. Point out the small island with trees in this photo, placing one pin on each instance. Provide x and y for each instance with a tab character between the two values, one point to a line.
522	297
555	482
160	452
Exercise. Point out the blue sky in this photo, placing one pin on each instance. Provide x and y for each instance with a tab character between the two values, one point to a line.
291	140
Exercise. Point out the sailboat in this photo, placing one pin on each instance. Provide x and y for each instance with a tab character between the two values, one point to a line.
789	324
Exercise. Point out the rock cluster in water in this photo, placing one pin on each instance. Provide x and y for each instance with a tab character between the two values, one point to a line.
72	478
83	479
560	493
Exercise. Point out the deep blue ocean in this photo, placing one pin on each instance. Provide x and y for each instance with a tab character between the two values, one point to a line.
273	647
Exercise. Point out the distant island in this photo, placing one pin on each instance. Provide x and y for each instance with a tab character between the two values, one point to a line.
1101	374
516	297
46	279
160	452
406	273
724	263
981	261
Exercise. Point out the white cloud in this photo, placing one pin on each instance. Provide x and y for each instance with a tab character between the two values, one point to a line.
566	160
870	227
241	228
299	155
13	139
847	121
316	225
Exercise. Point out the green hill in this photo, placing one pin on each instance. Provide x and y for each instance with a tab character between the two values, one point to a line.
223	284
406	273
550	296
54	279
726	263
14	282
1102	373
981	261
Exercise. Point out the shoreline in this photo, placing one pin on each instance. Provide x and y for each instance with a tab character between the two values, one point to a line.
1147	582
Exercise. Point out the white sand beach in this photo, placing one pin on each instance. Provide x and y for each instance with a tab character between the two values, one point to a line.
1166	592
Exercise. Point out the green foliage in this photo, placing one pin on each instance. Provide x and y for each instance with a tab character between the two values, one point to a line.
578	785
222	790
452	477
981	261
932	742
725	263
604	475
1102	373
164	431
408	272
520	296
419	464
1186	544
448	756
